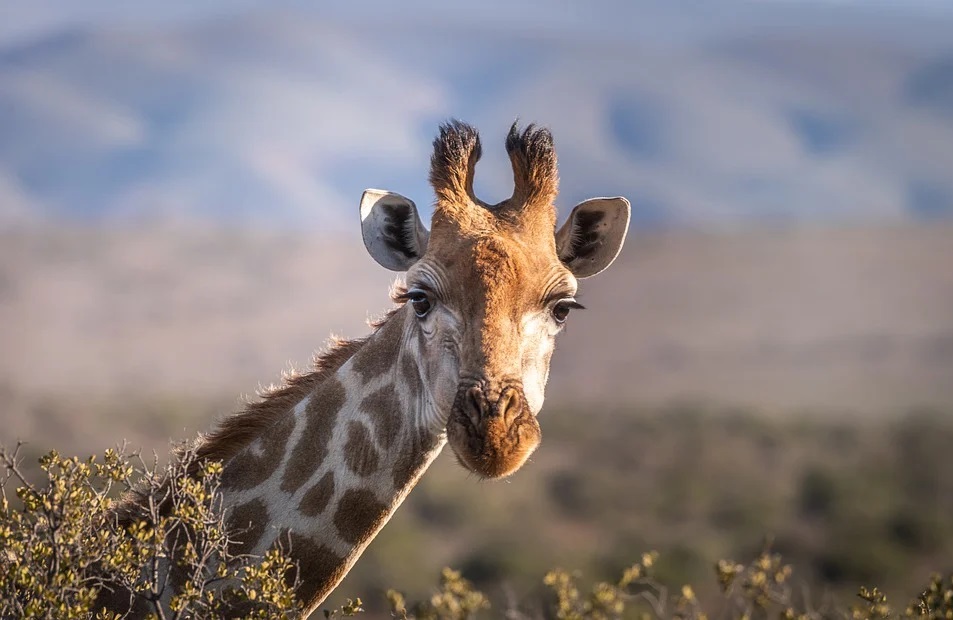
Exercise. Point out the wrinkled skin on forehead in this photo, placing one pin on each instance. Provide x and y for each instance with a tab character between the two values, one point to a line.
491	320
489	288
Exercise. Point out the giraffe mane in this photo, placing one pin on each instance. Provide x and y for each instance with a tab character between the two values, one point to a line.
238	430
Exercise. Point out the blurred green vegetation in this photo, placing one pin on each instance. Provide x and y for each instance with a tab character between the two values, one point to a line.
847	500
762	588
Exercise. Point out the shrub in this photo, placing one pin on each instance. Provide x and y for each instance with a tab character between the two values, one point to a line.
65	552
760	589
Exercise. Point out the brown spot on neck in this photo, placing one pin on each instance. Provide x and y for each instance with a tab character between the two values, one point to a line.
384	409
120	600
318	570
247	470
312	447
316	499
373	361
246	525
359	452
359	515
410	376
412	459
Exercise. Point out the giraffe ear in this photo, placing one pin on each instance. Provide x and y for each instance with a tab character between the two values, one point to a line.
593	235
393	233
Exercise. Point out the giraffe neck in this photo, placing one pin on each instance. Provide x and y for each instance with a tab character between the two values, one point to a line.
328	474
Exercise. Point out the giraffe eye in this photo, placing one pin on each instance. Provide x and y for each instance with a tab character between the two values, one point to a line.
420	302
562	308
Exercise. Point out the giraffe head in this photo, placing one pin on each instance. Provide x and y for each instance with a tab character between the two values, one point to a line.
489	288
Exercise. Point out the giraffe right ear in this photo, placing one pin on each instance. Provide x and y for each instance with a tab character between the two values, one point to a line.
393	233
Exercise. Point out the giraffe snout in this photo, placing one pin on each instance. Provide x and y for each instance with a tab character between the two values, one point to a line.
492	437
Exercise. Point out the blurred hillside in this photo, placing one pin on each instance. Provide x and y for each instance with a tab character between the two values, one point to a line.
239	114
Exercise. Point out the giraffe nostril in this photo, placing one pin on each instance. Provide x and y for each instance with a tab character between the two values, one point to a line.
473	404
509	405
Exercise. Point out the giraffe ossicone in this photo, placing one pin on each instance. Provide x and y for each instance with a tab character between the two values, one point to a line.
321	463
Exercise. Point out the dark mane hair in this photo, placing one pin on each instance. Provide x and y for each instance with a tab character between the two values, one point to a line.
236	431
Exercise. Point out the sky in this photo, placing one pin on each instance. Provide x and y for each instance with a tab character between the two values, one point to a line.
279	114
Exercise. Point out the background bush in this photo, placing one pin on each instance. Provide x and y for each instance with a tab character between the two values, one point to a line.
846	501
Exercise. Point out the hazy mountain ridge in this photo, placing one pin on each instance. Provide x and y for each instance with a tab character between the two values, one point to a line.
283	117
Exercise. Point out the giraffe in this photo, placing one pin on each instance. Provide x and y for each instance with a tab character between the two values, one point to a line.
324	461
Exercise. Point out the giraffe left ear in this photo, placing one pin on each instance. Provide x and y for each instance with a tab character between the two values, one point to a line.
393	233
593	235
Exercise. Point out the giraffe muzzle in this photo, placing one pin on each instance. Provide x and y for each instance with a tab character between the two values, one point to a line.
492	437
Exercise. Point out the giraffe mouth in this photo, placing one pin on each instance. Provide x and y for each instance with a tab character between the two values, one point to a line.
495	440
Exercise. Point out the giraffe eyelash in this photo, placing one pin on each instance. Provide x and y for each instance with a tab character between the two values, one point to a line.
410	293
